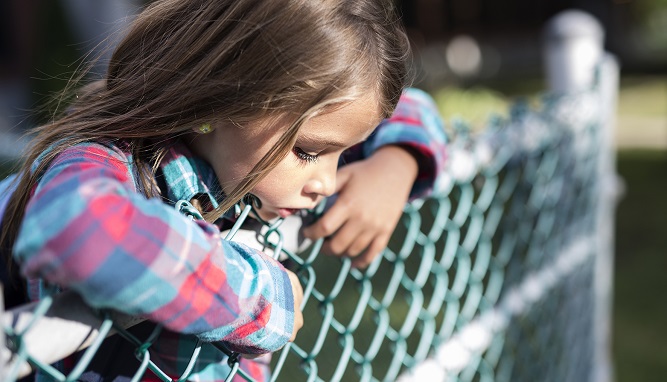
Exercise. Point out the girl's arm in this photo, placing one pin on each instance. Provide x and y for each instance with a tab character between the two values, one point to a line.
86	228
401	160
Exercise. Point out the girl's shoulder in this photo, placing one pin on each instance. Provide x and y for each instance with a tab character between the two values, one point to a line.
104	157
116	153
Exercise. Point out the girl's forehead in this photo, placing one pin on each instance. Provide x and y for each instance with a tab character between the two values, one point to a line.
338	124
345	125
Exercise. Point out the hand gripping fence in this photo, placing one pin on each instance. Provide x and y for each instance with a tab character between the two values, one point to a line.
503	274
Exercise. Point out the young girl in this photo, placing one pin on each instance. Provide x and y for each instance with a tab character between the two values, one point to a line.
220	102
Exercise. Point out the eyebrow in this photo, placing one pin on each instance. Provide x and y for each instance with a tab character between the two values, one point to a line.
317	141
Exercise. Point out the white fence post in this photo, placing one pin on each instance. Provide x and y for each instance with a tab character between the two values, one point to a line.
610	190
573	48
575	61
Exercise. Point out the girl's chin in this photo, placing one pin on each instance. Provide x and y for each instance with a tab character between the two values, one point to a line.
267	215
285	212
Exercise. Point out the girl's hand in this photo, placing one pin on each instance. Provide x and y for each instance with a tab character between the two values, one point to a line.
371	197
297	291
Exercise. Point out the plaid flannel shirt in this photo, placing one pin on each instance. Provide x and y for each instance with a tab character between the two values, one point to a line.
88	228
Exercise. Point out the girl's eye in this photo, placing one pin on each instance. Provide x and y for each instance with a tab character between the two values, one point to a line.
304	156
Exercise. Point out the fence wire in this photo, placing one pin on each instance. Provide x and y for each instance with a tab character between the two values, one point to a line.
490	279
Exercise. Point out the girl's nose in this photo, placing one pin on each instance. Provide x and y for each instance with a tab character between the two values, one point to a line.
323	182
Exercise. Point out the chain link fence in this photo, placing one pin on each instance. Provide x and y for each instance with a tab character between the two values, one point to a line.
502	275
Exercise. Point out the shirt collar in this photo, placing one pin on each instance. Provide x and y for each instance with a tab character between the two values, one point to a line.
187	176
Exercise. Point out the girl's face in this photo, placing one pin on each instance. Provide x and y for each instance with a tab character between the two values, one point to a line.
307	174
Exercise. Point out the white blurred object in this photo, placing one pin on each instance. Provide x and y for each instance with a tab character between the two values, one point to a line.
464	56
573	49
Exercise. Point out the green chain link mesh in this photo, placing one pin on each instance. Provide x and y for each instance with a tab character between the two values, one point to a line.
490	279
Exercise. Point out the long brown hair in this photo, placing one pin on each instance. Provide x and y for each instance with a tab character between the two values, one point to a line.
184	63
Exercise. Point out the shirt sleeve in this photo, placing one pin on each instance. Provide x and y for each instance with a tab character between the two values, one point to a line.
86	228
417	126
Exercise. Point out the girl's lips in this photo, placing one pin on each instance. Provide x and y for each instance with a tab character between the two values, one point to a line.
285	212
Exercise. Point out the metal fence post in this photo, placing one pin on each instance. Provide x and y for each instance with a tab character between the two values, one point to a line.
575	61
610	191
573	48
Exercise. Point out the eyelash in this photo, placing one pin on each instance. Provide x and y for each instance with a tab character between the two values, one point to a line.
304	156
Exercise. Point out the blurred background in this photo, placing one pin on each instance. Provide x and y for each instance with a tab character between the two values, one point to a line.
475	57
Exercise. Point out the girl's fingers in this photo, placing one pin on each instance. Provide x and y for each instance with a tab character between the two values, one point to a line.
360	244
330	222
297	292
376	247
338	214
351	239
343	175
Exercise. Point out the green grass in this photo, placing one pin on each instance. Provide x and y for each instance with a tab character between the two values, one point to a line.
640	310
474	105
644	95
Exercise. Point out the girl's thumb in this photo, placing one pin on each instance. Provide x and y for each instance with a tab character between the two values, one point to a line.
342	177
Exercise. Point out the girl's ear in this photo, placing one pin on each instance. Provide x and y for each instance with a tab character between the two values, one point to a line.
204	128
